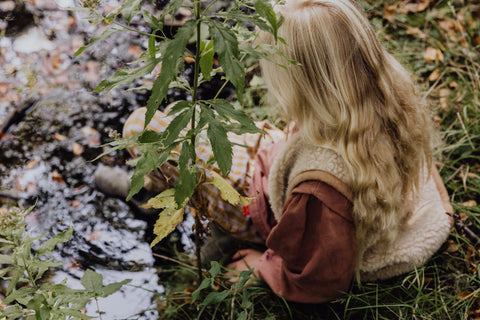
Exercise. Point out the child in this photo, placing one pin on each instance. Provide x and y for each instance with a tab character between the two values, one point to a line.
350	194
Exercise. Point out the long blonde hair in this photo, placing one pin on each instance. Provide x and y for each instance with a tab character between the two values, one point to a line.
349	93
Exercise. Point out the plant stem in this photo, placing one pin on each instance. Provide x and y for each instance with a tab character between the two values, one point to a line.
137	31
194	136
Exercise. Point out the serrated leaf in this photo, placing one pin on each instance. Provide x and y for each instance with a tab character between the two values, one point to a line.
49	245
43	266
243	279
206	115
150	136
18	294
206	60
12	312
152	21
221	146
170	67
227	192
113	287
265	10
104	35
175	126
146	163
15	277
225	44
227	110
167	221
92	281
185	184
242	17
165	199
130	8
179	106
151	47
6	259
214	298
127	75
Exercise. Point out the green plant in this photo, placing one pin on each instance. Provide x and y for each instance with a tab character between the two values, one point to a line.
27	296
227	36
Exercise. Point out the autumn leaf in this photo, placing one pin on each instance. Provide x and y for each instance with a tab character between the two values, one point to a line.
166	199
77	149
227	192
432	54
57	177
434	75
167	221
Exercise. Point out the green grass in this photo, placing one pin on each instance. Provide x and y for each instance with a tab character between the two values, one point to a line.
448	286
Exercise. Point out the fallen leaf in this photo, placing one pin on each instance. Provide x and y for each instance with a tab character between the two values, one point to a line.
92	136
95	235
412	31
453	84
77	149
463	216
417	7
469	203
75	203
59	137
32	164
135	51
389	12
465	294
4	86
189	60
57	177
434	75
432	54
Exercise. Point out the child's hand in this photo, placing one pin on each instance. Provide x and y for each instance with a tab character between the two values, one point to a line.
244	260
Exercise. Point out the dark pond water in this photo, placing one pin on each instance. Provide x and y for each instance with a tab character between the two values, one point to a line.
46	153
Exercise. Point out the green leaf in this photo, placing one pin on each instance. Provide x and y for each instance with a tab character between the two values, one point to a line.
185	184
18	294
130	8
49	245
265	10
214	269
42	266
151	47
175	49
14	279
167	221
243	278
127	75
227	110
113	287
146	163
178	123
152	21
12	312
92	281
206	283
179	106
73	313
104	35
206	60
6	259
242	315
221	146
214	298
150	136
225	44
206	115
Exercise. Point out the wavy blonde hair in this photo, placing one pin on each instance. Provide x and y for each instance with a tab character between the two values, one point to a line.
349	93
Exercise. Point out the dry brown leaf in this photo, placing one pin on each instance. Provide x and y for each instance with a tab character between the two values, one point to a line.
57	177
412	31
92	136
95	235
59	137
189	60
434	75
469	203
444	94
4	86
447	25
452	247
135	51
432	54
77	149
32	164
463	216
92	70
476	39
465	294
416	7
389	12
453	84
75	203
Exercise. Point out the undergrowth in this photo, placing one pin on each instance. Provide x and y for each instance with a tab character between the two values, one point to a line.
439	42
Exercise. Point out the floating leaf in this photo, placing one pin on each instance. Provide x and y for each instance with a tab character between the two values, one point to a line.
227	192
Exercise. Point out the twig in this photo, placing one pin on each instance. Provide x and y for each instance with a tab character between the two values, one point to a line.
173	260
462	225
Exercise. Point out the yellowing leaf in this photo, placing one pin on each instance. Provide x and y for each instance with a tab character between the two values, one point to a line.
434	75
165	199
227	192
166	223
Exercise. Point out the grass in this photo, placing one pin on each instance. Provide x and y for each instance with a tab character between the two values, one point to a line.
440	44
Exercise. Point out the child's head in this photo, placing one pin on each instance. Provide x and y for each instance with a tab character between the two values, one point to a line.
350	93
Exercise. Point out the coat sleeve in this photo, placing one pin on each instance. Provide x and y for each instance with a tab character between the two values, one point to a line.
310	255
